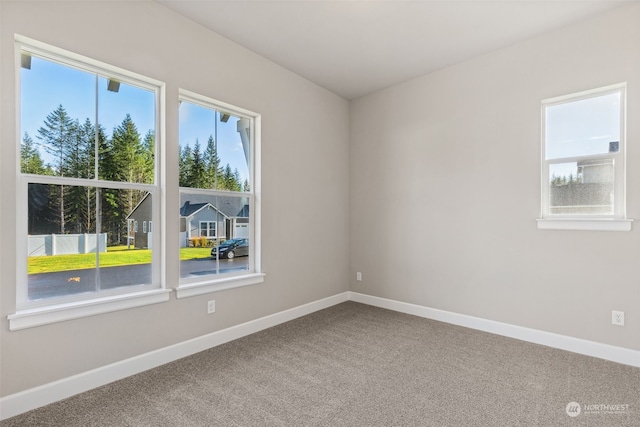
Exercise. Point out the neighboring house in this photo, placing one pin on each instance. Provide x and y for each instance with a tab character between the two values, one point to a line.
139	224
226	218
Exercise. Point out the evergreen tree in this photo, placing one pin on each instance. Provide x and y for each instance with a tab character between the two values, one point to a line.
213	173
196	175
128	166
80	200
148	157
30	160
237	181
229	180
185	160
56	135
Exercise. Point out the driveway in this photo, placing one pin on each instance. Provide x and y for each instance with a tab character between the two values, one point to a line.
48	285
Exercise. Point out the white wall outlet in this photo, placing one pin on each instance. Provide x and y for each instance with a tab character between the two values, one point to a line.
617	318
359	276
211	306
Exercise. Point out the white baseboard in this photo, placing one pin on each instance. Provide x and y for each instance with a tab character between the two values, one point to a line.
575	345
36	397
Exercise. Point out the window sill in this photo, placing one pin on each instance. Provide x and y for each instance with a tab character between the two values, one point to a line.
587	224
200	288
30	318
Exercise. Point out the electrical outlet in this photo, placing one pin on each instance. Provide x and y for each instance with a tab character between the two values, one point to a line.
211	306
359	276
617	318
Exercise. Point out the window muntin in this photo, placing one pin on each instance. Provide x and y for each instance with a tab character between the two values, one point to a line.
217	189
583	155
88	157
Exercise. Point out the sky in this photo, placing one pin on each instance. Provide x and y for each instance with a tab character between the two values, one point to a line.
198	123
579	128
47	85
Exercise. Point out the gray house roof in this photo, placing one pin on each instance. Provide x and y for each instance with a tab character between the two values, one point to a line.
189	209
230	207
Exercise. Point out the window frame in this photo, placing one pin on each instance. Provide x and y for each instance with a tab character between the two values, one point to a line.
602	222
188	287
35	313
209	228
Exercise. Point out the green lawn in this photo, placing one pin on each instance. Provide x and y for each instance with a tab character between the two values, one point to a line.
194	253
115	255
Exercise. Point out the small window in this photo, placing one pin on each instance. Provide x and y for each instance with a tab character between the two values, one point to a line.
208	229
144	227
583	164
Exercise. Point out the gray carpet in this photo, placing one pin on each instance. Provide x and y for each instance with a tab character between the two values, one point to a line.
356	365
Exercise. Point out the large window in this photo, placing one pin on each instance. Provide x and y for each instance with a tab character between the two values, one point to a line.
219	197
583	165
88	174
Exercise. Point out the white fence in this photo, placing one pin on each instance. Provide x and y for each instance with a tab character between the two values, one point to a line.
66	244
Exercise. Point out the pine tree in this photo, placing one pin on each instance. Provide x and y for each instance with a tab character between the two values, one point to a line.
185	160
148	157
80	200
128	163
229	180
30	159
56	135
196	176
211	160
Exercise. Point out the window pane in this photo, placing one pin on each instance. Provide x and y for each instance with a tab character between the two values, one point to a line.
233	149
582	188
71	231
129	260
214	149
126	115
585	127
226	218
57	116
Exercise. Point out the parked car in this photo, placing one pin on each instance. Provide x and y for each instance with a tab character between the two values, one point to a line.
231	248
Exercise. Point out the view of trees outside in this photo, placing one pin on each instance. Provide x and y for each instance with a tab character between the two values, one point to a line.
88	156
200	167
87	153
124	156
214	157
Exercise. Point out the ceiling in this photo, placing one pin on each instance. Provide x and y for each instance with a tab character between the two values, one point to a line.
356	47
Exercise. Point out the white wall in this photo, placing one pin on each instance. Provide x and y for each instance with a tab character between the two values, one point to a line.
304	172
445	188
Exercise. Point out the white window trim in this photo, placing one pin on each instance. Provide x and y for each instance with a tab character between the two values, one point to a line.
604	224
217	285
213	283
616	222
29	318
47	312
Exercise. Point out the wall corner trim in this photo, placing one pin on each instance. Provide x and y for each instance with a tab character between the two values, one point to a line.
18	403
36	397
612	353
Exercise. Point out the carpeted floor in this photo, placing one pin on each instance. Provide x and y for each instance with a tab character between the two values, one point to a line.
356	365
